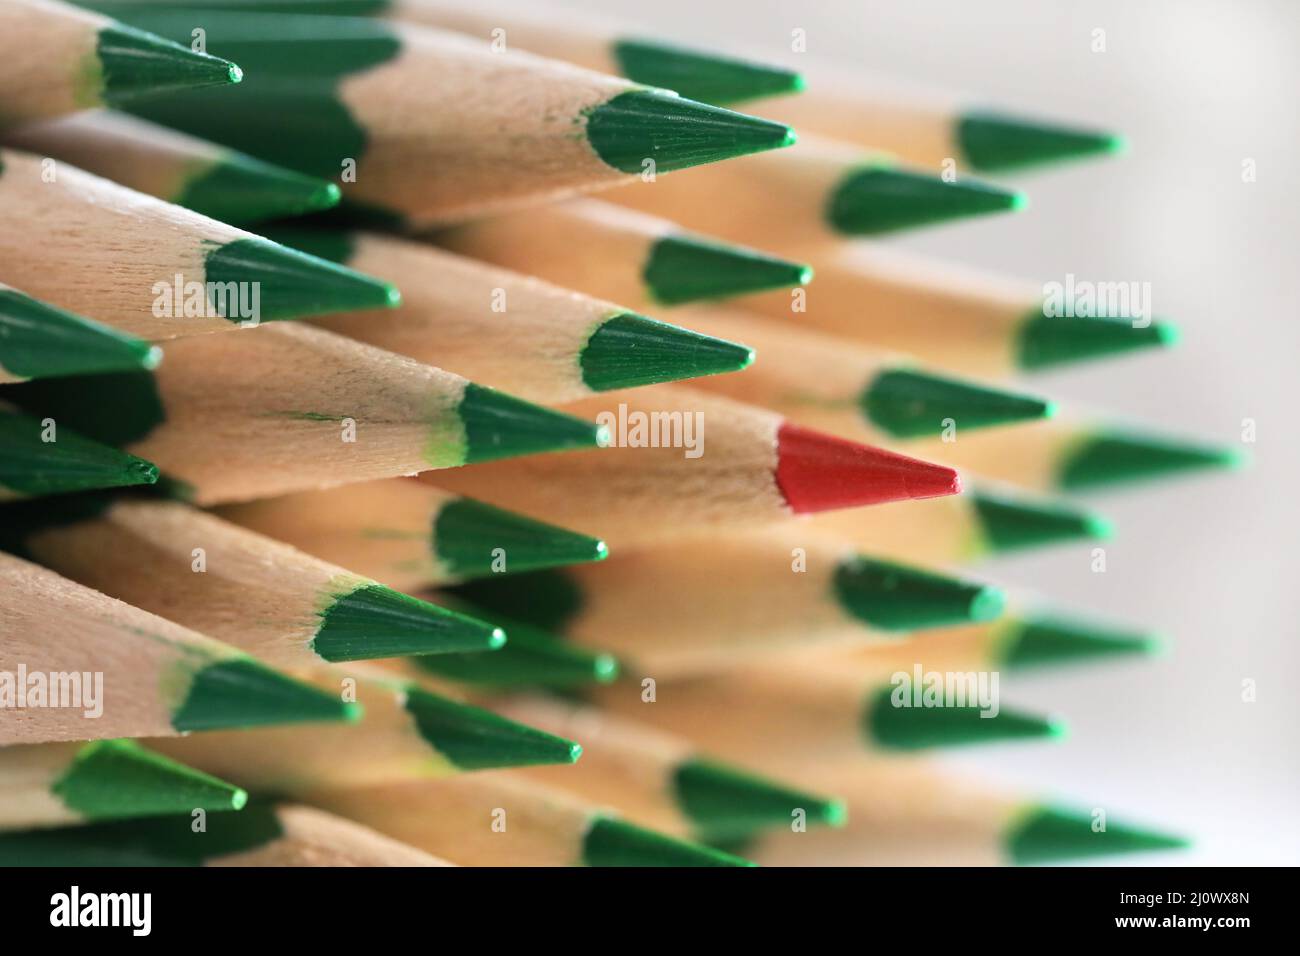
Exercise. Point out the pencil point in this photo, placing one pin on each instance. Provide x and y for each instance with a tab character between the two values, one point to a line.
1051	640
893	597
241	189
917	727
723	801
1048	834
472	738
819	472
469	535
135	63
293	284
498	425
1010	523
628	350
373	622
31	466
707	77
878	199
244	693
1111	458
38	341
689	268
907	403
612	842
1047	341
994	141
674	132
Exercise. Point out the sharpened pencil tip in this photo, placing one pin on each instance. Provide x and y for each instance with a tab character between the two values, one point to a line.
468	536
908	403
498	425
40	341
909	725
688	268
372	622
245	693
472	738
1010	523
892	597
1047	341
612	842
1113	457
995	142
877	199
134	63
35	460
723	801
628	350
1049	834
707	77
240	189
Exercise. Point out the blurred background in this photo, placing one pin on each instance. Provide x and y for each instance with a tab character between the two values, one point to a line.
1211	561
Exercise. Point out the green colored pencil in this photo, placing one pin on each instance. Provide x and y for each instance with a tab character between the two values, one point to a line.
46	458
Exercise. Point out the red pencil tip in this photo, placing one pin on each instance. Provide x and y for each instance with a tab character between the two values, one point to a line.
818	472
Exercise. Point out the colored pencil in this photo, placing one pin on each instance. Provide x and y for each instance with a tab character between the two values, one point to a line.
506	330
502	129
619	254
502	819
662	782
811	198
153	269
410	535
733	597
46	458
406	734
1080	455
972	322
260	835
758	468
122	672
290	408
57	59
257	594
840	387
209	179
60	784
986	520
39	341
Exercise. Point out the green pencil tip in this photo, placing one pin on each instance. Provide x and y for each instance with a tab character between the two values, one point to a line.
498	425
877	199
135	63
1050	640
245	693
241	189
472	738
996	141
910	725
1046	341
1048	834
39	341
907	403
893	597
292	284
724	801
1012	523
707	77
674	132
471	538
612	842
1112	457
116	779
628	350
689	268
372	622
37	459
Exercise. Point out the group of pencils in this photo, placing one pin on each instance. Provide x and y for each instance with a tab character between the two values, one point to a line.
592	504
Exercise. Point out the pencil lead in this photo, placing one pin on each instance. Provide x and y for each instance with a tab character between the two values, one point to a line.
707	77
906	727
627	350
115	779
30	466
38	340
245	693
469	537
130	63
879	198
1048	834
292	284
906	403
893	597
1047	640
611	842
239	188
472	738
372	621
674	132
1011	523
1113	457
819	472
1048	341
498	425
722	800
994	141
689	268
